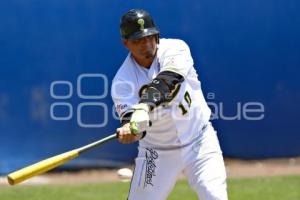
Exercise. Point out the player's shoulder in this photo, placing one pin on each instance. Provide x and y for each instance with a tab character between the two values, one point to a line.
124	70
171	47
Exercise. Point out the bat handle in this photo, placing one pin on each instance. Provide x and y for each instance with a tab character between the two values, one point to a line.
97	143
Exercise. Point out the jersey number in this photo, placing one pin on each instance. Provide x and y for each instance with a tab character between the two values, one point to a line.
188	100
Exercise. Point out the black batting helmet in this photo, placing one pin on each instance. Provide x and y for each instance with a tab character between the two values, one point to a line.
137	23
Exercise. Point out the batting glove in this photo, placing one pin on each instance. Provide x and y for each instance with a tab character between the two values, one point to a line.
139	119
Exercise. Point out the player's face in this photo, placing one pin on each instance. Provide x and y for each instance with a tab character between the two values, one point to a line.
143	49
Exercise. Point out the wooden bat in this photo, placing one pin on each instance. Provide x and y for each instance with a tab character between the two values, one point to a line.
50	163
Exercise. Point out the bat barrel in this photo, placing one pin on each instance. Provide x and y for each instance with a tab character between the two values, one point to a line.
50	163
40	167
10	180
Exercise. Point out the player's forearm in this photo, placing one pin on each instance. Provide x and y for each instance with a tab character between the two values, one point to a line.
126	118
161	89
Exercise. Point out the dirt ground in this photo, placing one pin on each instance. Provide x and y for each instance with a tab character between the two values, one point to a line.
235	169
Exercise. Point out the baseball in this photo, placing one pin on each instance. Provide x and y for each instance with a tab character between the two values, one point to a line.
125	173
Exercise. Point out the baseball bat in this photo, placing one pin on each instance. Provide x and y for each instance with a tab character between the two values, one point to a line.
50	163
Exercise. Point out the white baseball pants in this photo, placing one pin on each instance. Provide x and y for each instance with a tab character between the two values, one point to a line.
201	161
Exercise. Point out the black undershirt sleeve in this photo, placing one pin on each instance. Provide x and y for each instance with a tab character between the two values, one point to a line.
161	89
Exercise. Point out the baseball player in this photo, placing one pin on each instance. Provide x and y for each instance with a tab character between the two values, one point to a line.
159	100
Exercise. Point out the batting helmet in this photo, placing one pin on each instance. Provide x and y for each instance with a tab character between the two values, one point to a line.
137	23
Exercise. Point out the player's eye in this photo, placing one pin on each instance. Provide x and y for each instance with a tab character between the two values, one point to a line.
147	38
136	41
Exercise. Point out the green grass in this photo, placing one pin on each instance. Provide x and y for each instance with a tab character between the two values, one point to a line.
272	188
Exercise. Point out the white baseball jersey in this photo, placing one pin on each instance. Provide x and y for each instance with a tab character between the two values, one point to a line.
180	121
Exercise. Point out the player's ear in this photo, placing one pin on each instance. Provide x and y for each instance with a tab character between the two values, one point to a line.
125	42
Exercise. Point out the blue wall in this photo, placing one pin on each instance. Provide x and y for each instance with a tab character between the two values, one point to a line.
247	54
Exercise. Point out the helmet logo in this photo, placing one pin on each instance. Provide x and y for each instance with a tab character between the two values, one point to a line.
141	22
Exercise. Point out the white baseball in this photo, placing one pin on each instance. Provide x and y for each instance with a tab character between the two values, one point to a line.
125	173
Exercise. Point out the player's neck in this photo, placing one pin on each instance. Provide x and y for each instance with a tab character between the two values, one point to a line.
146	63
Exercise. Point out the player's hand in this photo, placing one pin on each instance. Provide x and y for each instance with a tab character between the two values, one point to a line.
140	118
125	136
